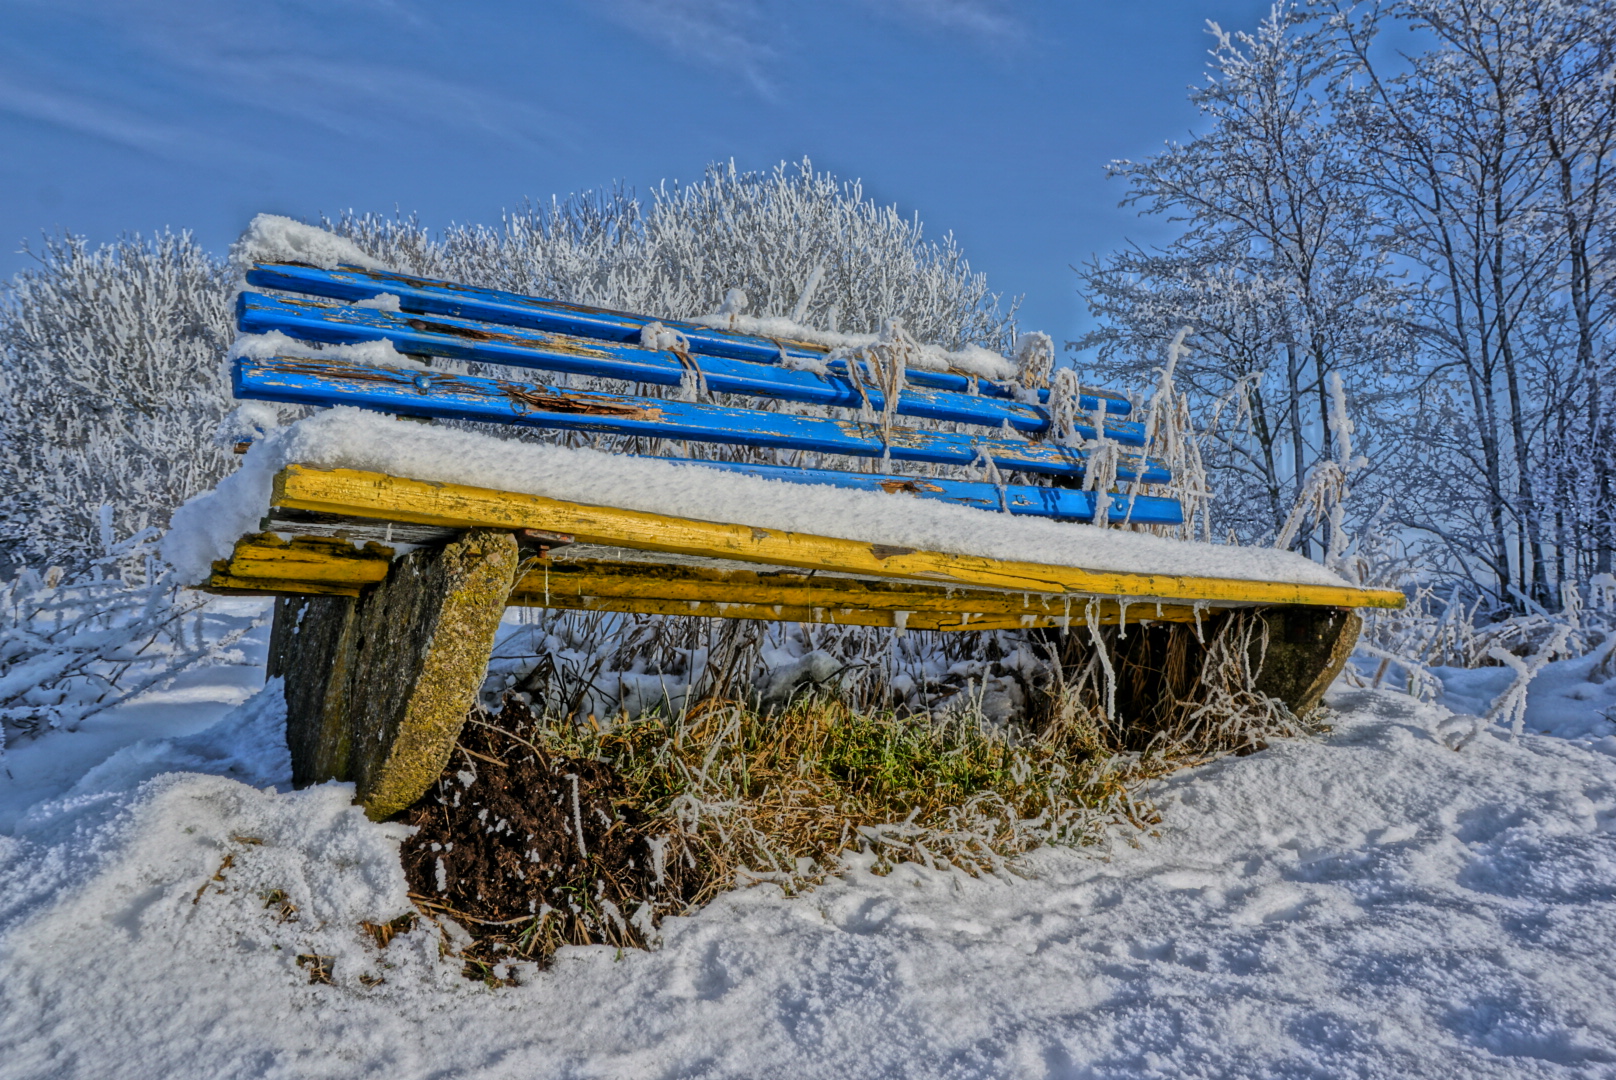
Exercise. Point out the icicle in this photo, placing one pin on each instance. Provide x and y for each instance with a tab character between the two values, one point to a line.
1091	614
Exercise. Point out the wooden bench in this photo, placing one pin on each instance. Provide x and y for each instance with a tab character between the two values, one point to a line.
384	651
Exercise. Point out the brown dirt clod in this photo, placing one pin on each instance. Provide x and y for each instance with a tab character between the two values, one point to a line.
530	850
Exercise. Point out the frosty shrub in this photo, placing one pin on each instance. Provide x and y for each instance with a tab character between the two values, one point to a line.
677	255
111	383
73	644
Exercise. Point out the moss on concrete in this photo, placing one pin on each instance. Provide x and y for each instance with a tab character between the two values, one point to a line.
425	636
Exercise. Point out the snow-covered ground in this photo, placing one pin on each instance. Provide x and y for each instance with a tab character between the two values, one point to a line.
1372	903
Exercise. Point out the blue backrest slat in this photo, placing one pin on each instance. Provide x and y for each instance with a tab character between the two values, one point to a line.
472	340
429	393
1019	499
426	296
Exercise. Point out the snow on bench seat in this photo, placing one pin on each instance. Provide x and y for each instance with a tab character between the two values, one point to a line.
1084	559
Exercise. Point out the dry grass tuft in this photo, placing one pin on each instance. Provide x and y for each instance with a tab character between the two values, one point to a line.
781	797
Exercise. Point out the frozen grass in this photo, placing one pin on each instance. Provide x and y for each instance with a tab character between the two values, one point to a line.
757	795
74	644
713	781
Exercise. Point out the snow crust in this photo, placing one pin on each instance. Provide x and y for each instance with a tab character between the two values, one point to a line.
247	422
1567	699
1369	904
273	238
379	353
207	526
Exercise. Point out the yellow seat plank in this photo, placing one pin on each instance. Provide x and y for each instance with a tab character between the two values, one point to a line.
599	578
307	558
378	496
227	584
1107	613
269	565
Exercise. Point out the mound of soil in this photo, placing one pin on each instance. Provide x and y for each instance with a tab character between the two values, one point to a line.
529	850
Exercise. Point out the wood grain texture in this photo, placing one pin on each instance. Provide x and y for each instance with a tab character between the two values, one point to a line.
483	342
329	382
1106	613
771	595
364	494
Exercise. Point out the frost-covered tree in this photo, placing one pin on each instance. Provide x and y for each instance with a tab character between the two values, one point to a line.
677	255
1430	221
1489	154
1572	80
1277	268
111	384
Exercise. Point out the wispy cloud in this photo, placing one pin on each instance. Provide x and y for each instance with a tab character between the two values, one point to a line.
990	19
749	38
180	79
85	115
729	34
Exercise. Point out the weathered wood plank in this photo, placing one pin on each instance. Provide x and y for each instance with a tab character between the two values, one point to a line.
774	595
839	607
1062	504
464	339
310	559
445	298
1107	613
467	397
602	579
228	584
363	494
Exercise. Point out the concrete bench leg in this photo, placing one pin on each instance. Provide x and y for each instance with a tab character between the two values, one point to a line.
1158	665
312	647
1307	648
378	687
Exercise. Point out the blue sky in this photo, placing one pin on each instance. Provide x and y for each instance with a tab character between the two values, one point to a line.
988	118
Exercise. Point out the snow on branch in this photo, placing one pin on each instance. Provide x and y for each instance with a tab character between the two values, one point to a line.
73	645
